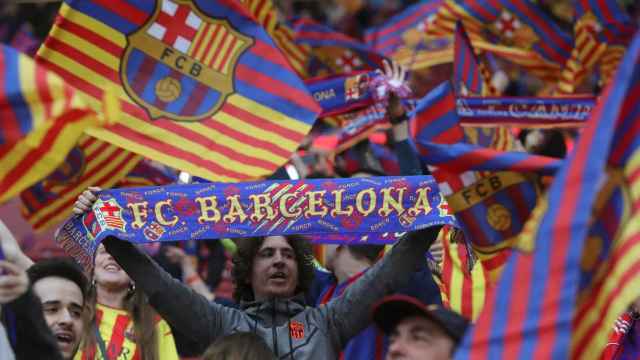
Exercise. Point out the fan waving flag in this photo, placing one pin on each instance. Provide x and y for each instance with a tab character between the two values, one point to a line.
560	301
202	86
41	120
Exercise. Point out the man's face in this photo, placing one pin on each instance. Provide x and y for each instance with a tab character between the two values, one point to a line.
62	304
417	337
275	269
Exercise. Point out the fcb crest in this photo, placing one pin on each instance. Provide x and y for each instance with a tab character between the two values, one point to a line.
180	63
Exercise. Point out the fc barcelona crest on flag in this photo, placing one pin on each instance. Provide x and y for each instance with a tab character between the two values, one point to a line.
180	63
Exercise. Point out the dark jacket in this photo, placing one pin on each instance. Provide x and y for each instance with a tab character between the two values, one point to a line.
292	329
29	333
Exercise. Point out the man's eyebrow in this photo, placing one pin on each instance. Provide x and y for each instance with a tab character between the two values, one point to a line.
51	302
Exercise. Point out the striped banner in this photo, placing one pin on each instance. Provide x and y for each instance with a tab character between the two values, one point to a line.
525	34
560	301
91	163
251	130
467	77
41	120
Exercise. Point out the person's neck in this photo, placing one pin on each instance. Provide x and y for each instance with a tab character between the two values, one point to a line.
349	266
113	298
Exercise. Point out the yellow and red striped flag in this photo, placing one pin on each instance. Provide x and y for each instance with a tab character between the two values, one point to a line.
42	118
91	163
231	113
463	282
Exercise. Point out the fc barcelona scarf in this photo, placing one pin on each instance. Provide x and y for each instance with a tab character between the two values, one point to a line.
381	205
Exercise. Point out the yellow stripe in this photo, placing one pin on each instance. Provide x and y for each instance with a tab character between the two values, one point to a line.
143	127
73	191
29	91
457	279
478	290
214	50
222	50
268	113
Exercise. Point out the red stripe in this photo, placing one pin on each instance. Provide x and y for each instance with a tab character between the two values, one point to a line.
496	261
260	122
125	10
227	54
544	27
82	58
92	37
467	294
114	348
99	182
198	45
275	86
41	150
418	15
447	269
217	54
44	93
258	9
517	313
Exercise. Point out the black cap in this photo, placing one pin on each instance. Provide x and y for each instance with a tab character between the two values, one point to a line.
392	309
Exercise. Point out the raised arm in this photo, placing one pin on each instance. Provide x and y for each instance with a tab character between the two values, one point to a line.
349	314
185	310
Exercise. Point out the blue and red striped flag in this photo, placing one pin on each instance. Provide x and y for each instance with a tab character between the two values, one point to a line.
41	120
560	301
203	88
467	77
147	173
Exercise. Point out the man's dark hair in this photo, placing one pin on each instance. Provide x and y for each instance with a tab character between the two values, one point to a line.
65	268
247	248
368	252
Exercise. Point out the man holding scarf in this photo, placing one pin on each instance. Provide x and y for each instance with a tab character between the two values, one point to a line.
275	308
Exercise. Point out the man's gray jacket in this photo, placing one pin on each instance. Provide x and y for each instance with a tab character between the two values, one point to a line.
292	329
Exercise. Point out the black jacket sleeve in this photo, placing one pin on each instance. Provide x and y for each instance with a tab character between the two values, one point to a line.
407	158
33	338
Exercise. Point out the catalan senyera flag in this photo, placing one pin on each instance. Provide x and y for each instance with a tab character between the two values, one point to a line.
463	281
41	120
403	37
491	205
598	25
560	300
90	163
519	31
283	35
203	88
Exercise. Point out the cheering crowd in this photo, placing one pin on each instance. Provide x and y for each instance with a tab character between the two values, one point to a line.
283	296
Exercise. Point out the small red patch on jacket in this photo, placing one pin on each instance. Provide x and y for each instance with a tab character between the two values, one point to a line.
296	329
